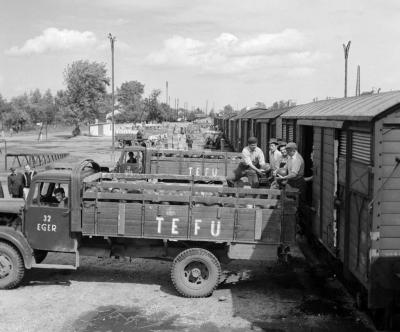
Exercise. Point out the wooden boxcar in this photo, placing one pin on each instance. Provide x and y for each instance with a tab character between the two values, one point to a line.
355	194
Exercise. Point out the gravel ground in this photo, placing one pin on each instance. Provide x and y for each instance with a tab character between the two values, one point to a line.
137	295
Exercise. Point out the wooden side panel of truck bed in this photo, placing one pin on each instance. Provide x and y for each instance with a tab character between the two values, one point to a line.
188	212
180	222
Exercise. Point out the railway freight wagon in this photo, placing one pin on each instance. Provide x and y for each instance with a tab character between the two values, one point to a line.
355	195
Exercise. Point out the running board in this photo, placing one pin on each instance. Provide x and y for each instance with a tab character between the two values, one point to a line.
59	266
54	266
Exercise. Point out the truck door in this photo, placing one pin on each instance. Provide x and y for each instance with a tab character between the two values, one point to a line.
47	220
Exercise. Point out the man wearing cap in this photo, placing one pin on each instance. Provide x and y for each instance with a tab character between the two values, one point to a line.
295	167
274	154
15	184
253	164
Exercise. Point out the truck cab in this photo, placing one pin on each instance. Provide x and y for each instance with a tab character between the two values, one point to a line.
29	229
46	218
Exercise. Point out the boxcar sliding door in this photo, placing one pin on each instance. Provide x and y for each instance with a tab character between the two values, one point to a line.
356	221
325	155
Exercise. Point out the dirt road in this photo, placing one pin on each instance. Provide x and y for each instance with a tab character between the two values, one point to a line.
137	295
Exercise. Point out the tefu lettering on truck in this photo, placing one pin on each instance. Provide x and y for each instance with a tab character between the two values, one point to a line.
215	228
207	171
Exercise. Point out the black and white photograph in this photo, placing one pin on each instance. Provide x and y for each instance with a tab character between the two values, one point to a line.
199	166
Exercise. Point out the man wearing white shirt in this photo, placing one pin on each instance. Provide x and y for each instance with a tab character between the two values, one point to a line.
252	166
295	167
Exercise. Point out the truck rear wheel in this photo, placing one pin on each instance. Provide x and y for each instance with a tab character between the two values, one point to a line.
12	267
195	272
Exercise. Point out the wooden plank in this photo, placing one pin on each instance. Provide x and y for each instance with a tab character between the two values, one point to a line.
391	135
389	231
389	159
390	207
390	219
258	225
390	147
390	195
133	219
389	243
253	251
235	201
391	184
121	218
88	214
391	171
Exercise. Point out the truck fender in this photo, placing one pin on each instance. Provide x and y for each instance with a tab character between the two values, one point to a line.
17	239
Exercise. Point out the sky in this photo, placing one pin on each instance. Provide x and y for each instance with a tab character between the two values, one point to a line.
211	52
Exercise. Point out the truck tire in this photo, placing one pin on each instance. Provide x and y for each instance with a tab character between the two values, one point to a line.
12	267
195	272
39	255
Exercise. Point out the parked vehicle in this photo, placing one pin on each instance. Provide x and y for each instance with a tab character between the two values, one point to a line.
190	162
194	221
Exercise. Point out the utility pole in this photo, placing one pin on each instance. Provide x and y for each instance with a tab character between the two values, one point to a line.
346	49
358	84
112	41
166	94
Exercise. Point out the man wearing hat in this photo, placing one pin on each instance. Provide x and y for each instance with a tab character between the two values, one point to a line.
295	167
15	184
252	166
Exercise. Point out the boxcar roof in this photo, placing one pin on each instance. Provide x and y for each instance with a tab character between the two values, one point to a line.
360	108
271	113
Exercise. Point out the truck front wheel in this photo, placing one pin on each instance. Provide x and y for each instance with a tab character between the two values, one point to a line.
195	272
12	267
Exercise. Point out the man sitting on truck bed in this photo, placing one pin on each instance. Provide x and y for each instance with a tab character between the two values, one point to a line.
252	166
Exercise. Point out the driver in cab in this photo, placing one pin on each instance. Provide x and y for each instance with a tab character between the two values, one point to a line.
59	194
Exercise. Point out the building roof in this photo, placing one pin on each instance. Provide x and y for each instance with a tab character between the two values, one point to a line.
360	108
271	113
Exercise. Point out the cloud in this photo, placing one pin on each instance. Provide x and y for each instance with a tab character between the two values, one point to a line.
53	39
227	54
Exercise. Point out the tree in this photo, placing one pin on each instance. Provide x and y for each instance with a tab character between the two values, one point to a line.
212	113
19	113
152	108
260	104
86	90
130	100
283	104
228	110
